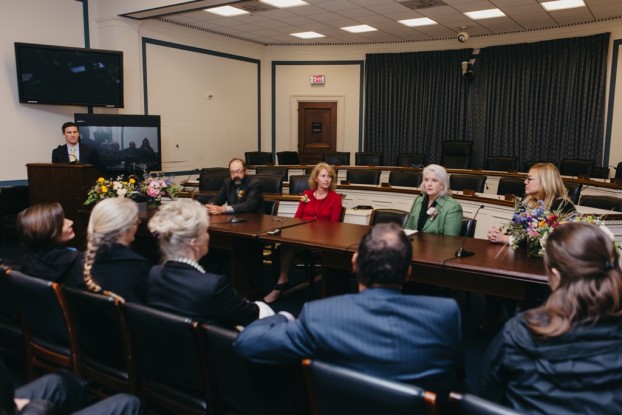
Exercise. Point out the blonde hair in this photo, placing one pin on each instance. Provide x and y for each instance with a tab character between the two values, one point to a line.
109	220
441	175
551	185
176	224
316	172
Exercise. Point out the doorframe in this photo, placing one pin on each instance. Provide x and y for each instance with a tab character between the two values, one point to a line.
294	100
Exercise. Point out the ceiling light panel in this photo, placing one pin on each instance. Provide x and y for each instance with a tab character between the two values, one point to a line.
226	11
359	28
485	14
422	21
562	4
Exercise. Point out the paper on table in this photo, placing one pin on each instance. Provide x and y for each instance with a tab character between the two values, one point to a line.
409	232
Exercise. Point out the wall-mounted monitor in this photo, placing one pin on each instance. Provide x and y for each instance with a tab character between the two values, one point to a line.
124	143
69	76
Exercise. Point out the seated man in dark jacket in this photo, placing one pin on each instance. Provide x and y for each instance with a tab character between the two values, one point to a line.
242	193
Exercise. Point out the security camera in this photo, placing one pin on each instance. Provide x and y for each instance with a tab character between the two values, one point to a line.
463	36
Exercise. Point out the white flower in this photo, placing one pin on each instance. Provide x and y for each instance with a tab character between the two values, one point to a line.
432	213
117	185
121	192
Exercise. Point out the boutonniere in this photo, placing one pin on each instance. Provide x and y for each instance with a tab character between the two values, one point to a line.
432	213
240	193
304	199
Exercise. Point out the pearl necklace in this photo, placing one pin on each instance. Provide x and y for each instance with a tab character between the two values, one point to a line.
194	264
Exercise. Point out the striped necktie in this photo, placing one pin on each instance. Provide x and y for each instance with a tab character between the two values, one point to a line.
72	155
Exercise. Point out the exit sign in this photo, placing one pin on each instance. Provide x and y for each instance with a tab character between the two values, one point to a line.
318	79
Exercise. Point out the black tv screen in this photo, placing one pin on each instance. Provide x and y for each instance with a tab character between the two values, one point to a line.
69	76
126	144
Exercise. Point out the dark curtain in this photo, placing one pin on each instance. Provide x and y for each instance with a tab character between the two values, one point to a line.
413	101
540	101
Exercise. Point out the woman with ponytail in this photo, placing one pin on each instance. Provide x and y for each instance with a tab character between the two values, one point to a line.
109	263
565	357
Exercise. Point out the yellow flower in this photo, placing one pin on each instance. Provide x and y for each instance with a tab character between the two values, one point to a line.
104	189
101	180
132	180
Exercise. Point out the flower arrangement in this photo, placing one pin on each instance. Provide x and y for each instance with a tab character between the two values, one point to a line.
151	189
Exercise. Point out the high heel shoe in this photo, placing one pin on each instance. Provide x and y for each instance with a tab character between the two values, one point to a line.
276	292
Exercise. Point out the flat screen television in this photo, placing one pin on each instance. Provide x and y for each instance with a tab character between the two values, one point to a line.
126	144
69	76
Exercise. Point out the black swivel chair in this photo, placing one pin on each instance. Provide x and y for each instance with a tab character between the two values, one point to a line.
335	390
467	182
618	171
258	158
172	362
298	184
13	200
602	202
274	171
501	163
473	405
338	158
363	176
388	216
104	351
574	191
290	158
410	159
271	184
367	159
210	182
576	167
456	154
530	163
511	186
11	335
600	172
405	178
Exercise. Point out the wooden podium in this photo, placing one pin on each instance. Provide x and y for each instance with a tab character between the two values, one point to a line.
67	184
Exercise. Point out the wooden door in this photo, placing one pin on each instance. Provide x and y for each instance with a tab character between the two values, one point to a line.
317	130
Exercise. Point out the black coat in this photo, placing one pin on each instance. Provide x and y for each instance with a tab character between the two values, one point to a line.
59	264
124	272
250	200
181	289
88	154
577	373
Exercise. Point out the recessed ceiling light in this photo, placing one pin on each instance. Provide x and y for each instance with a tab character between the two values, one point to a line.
485	14
359	29
423	21
562	4
285	3
307	35
226	11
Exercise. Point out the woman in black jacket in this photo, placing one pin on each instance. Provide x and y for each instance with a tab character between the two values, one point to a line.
565	356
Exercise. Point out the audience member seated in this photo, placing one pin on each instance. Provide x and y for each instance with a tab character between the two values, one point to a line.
378	331
181	286
109	263
241	193
43	230
435	211
564	356
319	202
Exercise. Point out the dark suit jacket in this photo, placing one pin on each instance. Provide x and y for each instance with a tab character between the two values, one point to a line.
88	154
180	289
379	331
251	200
123	272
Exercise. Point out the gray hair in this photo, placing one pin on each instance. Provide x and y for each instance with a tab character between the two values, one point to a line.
441	175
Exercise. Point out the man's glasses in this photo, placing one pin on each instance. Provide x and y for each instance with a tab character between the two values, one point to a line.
236	171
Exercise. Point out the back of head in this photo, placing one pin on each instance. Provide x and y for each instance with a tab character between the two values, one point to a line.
551	184
40	226
441	174
176	224
384	256
590	280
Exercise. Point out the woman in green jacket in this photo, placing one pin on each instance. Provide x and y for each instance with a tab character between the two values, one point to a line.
435	211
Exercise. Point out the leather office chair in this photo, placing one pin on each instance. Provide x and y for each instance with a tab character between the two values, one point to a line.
529	163
576	167
290	158
574	191
388	216
473	405
172	362
467	182
274	171
338	158
335	390
271	184
13	200
258	158
242	387
211	181
104	350
363	176
501	163
619	171
298	184
600	172
223	170
405	178
11	335
456	154
410	159
48	334
511	186
368	159
468	227
602	202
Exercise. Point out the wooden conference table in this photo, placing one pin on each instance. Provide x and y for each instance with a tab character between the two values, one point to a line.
494	269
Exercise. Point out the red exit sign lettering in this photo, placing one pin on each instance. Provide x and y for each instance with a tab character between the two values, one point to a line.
318	79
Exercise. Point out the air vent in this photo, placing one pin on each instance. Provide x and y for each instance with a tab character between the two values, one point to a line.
422	4
255	7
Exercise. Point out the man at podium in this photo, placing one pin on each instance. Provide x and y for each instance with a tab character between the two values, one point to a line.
74	151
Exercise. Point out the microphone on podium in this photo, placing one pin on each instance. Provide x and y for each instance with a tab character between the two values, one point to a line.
461	253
